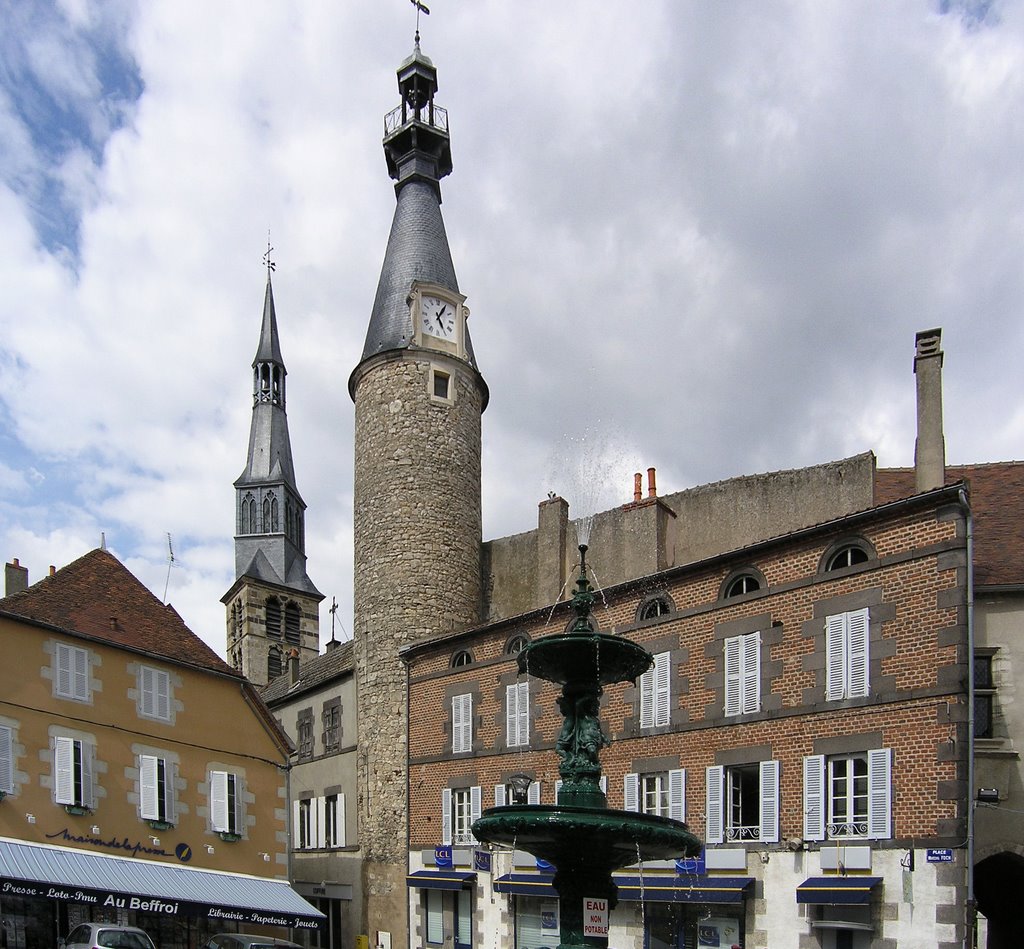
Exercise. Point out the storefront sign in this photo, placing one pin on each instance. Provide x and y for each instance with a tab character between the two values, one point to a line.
112	843
443	857
482	861
595	916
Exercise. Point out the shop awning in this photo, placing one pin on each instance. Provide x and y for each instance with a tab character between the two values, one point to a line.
851	889
526	884
683	889
440	879
80	876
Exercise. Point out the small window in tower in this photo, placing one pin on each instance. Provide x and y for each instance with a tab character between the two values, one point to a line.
442	382
273	515
273	662
291	623
273	617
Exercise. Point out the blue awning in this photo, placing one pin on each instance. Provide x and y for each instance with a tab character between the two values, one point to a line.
848	889
526	884
82	876
659	888
440	879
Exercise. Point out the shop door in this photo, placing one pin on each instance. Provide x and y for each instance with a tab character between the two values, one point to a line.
463	920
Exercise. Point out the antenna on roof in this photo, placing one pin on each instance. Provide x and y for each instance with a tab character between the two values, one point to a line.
334	612
170	562
268	261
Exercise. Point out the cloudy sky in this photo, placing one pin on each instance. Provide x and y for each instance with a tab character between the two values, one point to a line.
694	235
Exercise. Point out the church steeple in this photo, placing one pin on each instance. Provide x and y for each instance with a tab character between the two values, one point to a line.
272	605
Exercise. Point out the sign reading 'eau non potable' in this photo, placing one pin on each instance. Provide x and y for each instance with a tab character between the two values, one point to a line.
595	916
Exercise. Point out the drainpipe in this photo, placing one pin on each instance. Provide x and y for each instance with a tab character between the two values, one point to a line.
972	912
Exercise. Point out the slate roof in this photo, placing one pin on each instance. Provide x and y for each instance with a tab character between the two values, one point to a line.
997	503
97	596
314	674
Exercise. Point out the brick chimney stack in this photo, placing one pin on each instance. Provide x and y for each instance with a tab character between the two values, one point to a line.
930	448
15	578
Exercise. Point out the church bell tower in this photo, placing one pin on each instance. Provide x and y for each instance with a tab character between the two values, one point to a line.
418	400
273	607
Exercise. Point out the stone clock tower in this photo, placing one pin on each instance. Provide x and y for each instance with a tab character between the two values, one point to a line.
272	607
418	401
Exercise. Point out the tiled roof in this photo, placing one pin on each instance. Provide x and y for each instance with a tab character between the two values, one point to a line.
997	503
98	596
312	675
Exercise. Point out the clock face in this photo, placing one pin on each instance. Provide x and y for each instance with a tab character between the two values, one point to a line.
437	317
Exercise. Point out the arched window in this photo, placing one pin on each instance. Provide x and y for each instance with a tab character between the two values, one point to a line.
461	658
653	606
273	662
291	623
846	553
273	617
517	644
273	515
266	516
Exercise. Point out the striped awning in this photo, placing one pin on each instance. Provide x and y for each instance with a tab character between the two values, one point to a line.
526	884
81	876
683	889
440	879
836	889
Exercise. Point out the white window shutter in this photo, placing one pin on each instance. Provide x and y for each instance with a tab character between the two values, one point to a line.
62	657
558	788
814	797
769	802
149	784
219	802
297	842
162	689
339	823
835	657
663	690
462	723
475	804
533	793
732	676
880	793
517	714
446	816
603	783
631	793
147	704
320	822
857	646
751	673
88	786
523	725
64	770
499	795
6	759
80	674
677	794
714	818
647	698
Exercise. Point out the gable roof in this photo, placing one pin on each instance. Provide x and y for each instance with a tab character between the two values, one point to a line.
97	596
327	668
996	493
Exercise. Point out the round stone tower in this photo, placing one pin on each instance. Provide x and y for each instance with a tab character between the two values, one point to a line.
418	401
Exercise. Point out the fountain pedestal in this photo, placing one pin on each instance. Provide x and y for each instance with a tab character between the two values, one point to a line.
579	835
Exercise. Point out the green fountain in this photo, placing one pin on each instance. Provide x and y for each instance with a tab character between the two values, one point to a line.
580	835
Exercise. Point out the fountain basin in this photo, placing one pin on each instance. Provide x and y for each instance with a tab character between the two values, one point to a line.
584	656
585	839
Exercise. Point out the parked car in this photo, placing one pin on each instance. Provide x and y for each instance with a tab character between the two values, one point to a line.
106	936
248	941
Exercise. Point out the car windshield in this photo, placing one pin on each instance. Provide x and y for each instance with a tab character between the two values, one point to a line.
118	939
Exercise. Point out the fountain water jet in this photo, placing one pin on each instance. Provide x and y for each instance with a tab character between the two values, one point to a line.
580	835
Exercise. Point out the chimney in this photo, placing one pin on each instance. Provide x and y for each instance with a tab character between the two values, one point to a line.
293	666
930	448
638	486
15	578
652	488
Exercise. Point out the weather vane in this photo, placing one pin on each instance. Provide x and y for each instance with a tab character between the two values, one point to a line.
267	261
420	8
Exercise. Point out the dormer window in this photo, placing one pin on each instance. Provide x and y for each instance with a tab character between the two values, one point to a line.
848	553
658	604
516	645
461	658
